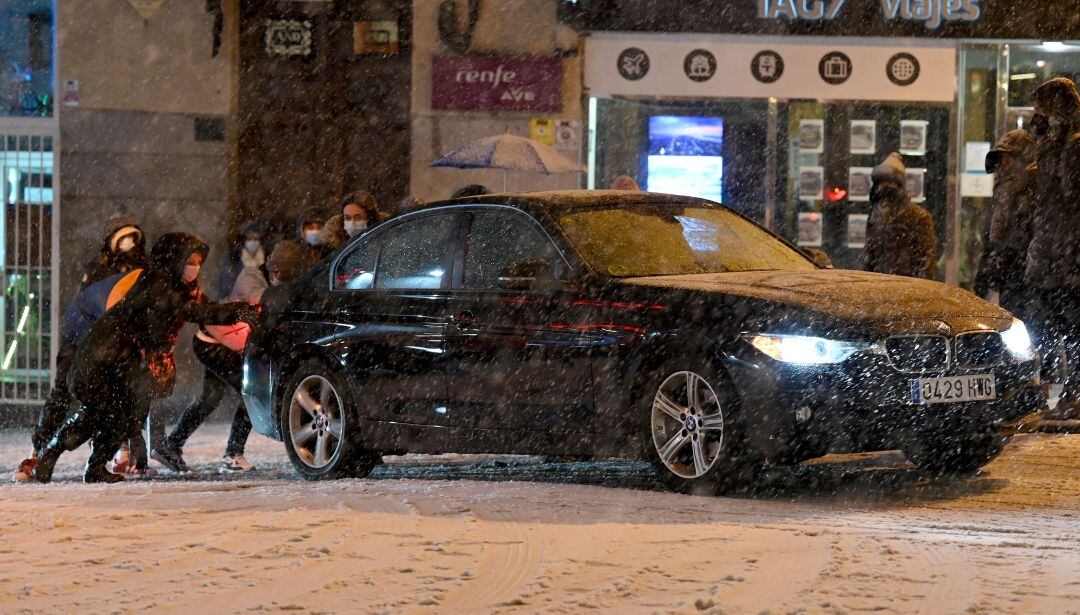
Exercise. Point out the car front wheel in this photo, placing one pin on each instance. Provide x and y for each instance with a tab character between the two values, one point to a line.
694	441
318	425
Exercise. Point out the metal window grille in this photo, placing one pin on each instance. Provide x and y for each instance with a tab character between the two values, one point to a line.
30	253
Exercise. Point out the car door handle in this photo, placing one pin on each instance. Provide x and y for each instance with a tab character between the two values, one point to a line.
463	320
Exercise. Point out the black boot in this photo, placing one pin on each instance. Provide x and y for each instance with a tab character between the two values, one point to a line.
43	471
101	451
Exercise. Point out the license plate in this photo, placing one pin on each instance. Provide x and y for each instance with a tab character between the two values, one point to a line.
953	389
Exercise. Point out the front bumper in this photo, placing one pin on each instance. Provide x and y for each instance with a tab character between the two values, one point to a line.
862	404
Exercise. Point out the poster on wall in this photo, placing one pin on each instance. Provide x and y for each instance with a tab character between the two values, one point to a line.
812	136
856	230
913	137
863	137
916	185
811	183
810	229
859	182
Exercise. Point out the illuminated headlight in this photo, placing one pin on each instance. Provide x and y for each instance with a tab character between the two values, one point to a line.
805	350
1018	341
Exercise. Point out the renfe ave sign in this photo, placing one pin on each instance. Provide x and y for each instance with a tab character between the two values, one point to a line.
489	83
931	12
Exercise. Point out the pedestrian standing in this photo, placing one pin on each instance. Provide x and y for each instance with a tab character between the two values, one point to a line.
1001	268
311	241
123	250
126	359
900	237
1053	256
246	253
224	370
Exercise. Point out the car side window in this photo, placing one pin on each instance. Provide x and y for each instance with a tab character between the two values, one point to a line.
413	254
357	270
499	238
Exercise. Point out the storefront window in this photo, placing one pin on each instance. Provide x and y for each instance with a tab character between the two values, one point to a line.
26	58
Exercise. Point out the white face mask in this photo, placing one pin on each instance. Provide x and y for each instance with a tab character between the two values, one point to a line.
191	273
126	244
252	245
314	238
355	227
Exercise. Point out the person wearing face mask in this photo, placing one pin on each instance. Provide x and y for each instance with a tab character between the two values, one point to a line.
220	350
1052	269
123	250
900	237
312	243
246	256
126	359
359	212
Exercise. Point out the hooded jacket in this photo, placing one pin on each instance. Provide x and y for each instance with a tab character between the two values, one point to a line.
1002	265
900	238
135	338
1053	256
232	268
110	260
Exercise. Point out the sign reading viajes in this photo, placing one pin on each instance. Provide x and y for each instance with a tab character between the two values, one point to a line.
287	37
931	13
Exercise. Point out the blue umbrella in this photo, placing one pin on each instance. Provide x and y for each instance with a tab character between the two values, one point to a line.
509	153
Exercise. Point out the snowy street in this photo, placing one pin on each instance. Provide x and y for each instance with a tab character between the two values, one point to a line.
452	534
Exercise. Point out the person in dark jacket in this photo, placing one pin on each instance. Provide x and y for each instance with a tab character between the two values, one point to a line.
900	237
1053	257
311	241
84	310
124	249
245	252
126	358
224	370
1001	268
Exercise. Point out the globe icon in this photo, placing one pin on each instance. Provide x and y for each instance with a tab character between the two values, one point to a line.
903	69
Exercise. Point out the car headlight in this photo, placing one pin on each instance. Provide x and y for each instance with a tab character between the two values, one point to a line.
1018	341
805	350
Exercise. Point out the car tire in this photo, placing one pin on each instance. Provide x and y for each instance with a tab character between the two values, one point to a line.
957	454
706	454
319	426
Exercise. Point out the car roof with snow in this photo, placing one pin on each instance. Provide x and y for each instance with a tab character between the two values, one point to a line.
559	201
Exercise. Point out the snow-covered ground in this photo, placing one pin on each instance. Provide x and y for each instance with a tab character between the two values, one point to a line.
860	533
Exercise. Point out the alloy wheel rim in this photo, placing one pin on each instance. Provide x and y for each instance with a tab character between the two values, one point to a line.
687	424
315	425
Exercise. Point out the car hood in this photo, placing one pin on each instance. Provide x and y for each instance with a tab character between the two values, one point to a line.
849	295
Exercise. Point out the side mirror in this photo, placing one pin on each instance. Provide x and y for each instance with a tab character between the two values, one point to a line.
533	274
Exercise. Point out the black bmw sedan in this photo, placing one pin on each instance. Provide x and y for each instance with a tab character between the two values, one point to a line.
623	324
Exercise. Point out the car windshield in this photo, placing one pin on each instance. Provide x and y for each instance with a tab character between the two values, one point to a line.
666	240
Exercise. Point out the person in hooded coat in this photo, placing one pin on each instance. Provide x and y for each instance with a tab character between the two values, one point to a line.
1053	257
123	250
126	359
246	254
224	370
1001	268
900	237
311	240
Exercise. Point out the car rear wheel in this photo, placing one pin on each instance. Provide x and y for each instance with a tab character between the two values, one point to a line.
963	453
319	427
694	441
